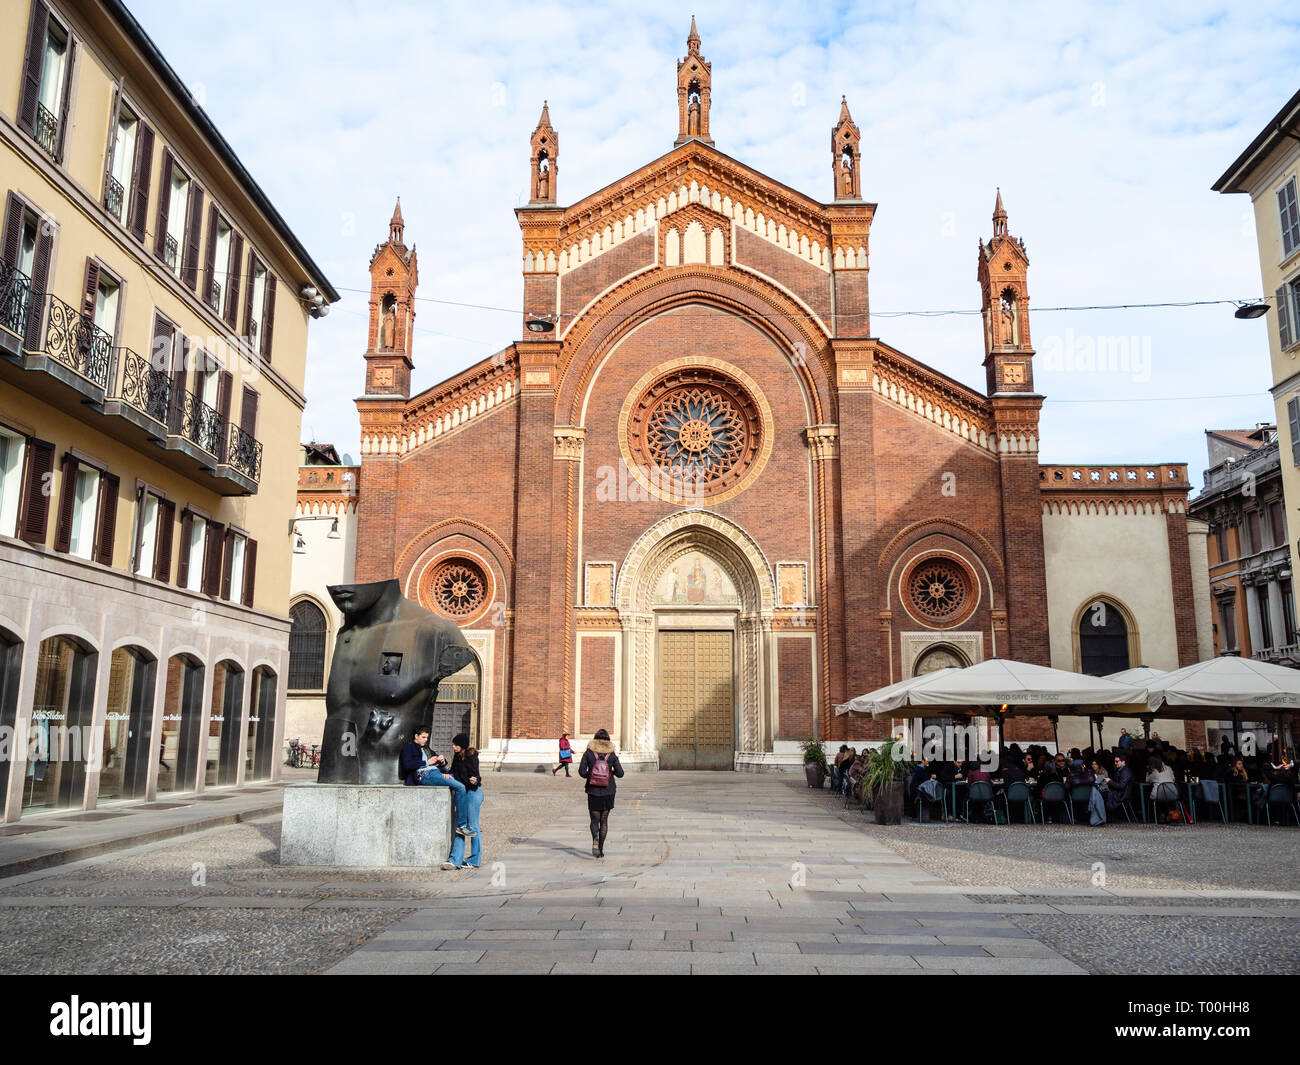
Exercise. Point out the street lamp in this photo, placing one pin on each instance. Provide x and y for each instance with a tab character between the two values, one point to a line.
539	325
1250	310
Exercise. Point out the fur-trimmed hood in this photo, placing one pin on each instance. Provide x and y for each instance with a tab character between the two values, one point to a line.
601	747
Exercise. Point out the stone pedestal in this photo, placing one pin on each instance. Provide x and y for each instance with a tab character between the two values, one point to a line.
373	825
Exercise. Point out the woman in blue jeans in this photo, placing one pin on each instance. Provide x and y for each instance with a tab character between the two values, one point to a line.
464	768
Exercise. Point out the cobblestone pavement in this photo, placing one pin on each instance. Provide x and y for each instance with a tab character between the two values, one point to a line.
705	873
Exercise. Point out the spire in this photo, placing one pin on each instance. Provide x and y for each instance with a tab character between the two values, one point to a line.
395	225
694	91
999	217
846	155
544	158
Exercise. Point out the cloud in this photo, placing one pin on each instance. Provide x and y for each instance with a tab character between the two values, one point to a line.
1104	124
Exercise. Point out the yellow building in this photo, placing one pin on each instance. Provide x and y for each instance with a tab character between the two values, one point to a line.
1269	172
154	309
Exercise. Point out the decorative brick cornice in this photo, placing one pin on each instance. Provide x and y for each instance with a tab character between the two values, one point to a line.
568	442
948	404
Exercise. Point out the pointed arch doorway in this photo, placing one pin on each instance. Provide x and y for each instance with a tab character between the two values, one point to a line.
695	598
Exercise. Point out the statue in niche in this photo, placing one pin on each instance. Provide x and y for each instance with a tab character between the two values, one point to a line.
543	176
383	682
388	328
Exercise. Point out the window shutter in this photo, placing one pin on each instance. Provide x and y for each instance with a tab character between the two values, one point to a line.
37	30
214	542
193	237
1283	319
90	289
183	562
232	279
67	97
180	378
114	113
248	412
225	386
248	297
162	554
106	519
40	278
67	498
1293	414
13	230
250	570
164	206
210	258
269	323
38	482
227	563
141	175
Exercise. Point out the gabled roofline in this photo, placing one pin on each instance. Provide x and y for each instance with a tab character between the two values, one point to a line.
1280	127
127	23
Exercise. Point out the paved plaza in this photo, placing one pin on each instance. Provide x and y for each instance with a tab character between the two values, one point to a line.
706	873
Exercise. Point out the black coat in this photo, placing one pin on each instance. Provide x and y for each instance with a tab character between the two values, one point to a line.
464	766
589	759
412	761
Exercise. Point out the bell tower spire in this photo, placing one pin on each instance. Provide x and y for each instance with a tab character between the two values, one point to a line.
694	91
1004	296
395	225
544	160
394	275
846	156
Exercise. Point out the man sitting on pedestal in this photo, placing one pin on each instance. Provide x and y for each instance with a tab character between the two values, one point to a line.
417	768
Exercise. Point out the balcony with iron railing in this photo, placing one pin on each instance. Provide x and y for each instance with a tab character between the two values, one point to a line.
47	130
57	355
214	295
114	196
170	252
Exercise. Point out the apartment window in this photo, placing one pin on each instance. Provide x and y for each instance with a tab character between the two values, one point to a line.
13	451
256	302
108	294
192	546
47	66
1288	217
1227	625
126	134
78	508
1265	623
1288	611
178	206
1253	541
1293	419
1277	523
219	248
1221	540
232	576
1288	312
153	535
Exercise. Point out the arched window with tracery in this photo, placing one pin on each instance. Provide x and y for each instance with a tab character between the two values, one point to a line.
1103	639
307	646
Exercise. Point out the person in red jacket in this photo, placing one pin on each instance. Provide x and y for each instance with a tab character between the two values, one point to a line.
566	756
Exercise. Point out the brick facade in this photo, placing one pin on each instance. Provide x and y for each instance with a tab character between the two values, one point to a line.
870	463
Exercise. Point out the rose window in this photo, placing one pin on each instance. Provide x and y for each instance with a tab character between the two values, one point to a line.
938	590
458	588
695	429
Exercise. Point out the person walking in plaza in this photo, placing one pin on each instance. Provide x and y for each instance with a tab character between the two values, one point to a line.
566	756
464	768
418	769
599	767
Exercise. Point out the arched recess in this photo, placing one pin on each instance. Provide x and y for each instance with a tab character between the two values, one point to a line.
450	534
744	563
1104	635
259	746
225	722
179	747
63	704
933	532
11	663
309	643
790	324
459	707
127	748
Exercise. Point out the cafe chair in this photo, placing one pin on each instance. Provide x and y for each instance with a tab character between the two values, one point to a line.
1019	793
1281	795
1166	794
981	791
1054	793
1201	802
1126	802
1080	793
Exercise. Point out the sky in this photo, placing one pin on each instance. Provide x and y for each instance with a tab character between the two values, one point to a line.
1104	125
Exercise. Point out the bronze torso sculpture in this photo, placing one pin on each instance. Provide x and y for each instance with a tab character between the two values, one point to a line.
388	660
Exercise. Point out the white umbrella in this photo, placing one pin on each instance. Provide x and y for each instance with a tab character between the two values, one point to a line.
1001	682
867	704
1206	689
1144	675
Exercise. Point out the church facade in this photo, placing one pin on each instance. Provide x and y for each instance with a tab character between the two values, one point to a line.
699	502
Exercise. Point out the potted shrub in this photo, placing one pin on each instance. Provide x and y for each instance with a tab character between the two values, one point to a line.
887	770
814	762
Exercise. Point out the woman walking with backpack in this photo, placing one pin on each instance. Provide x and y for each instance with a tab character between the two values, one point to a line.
599	767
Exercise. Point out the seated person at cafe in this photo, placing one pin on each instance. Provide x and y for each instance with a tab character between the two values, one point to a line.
1057	769
1119	783
927	787
1158	772
1015	772
1079	773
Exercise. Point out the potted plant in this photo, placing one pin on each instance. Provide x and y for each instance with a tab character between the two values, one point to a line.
887	769
814	762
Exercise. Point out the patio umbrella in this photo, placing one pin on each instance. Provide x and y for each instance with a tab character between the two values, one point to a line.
1206	689
1143	675
866	704
1002	687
